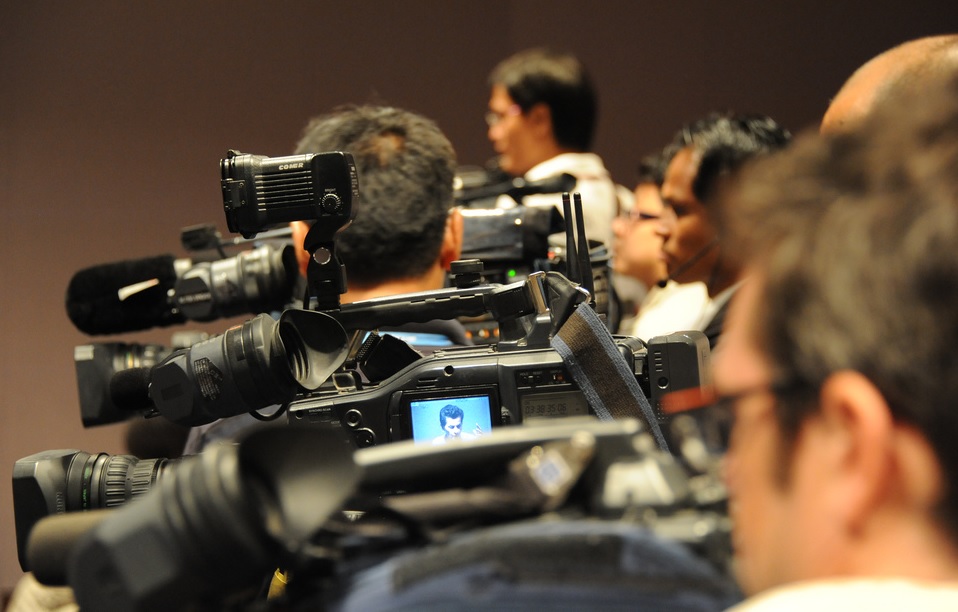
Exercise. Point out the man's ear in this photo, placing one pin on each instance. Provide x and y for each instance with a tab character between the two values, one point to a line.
300	229
539	118
875	462
451	249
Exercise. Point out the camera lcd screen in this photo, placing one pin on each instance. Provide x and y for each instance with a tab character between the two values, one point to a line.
549	405
450	419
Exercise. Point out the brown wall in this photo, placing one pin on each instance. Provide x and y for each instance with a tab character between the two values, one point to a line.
113	116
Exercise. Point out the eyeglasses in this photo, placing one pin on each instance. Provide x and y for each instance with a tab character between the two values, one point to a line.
494	117
705	397
637	215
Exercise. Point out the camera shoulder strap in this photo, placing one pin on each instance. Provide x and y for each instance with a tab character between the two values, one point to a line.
601	372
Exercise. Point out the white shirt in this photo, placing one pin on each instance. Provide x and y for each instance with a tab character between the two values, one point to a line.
600	197
675	307
714	305
874	595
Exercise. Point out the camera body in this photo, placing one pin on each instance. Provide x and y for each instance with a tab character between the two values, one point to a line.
493	387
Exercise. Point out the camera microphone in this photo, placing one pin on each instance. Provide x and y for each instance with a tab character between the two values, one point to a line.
686	265
130	389
123	296
162	291
518	188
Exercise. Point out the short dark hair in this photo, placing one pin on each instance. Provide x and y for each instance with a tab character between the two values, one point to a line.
725	141
855	236
449	411
561	82
652	167
406	168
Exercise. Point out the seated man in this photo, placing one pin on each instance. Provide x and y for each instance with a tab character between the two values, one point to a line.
406	233
542	114
709	150
838	364
667	306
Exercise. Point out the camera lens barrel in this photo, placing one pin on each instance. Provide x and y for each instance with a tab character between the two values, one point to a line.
112	480
68	480
261	363
259	280
244	369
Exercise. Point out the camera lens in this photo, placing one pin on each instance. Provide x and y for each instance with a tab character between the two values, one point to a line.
60	481
105	481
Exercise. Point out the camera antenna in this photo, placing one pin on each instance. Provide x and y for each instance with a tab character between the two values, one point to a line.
578	262
572	259
585	262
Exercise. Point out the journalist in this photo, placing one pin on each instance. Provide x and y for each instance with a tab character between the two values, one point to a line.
709	150
541	121
407	233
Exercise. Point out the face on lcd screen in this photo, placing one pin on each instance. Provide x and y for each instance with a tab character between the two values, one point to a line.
450	419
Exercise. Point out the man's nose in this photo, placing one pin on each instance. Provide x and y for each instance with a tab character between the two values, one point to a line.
663	229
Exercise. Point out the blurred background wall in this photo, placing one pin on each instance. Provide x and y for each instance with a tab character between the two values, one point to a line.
113	116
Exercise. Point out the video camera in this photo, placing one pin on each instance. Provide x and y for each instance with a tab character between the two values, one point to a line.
259	193
160	291
215	525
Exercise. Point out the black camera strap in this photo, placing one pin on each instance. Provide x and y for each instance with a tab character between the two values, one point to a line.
600	371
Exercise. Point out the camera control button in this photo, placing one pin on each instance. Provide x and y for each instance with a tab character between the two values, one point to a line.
353	418
331	203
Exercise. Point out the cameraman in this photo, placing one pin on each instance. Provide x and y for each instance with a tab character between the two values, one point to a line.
407	232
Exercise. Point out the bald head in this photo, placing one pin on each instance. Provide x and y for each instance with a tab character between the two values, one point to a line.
896	72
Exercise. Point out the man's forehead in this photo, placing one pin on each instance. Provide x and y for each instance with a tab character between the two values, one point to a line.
680	174
499	98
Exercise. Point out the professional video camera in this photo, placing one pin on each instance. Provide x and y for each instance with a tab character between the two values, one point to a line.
512	243
161	291
259	193
532	501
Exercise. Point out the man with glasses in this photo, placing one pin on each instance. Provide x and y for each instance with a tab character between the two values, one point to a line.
541	120
839	366
708	151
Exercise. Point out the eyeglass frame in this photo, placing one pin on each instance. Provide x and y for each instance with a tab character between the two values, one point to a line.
698	398
494	117
637	215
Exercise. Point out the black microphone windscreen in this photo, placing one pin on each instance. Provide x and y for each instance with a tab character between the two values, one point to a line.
130	389
123	296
